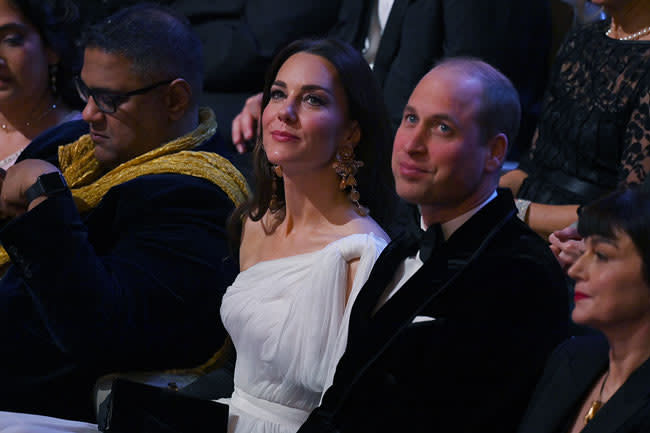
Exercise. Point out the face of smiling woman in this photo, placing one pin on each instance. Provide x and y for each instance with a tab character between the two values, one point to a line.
610	290
306	119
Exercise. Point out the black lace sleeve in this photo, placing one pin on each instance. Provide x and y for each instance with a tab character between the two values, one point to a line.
594	129
635	162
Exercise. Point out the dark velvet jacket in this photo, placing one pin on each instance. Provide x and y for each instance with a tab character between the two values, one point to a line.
497	315
569	376
135	283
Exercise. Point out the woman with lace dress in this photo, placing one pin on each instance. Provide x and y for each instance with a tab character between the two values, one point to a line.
594	130
38	59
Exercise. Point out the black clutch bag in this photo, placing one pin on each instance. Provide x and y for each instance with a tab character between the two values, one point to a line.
137	408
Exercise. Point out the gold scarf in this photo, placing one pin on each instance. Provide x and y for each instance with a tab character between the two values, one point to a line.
88	184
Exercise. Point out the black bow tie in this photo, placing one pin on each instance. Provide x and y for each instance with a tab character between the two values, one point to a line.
430	240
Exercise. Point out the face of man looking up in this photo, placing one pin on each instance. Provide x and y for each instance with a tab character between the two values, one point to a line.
441	159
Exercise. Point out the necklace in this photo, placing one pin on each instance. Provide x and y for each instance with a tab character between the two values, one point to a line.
51	108
596	404
633	36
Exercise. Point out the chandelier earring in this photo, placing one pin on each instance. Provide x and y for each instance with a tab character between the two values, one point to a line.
274	203
346	167
53	69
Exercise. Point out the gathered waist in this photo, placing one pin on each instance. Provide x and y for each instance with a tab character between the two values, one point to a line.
580	187
276	413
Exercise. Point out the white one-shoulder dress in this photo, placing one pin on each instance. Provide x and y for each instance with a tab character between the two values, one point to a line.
288	319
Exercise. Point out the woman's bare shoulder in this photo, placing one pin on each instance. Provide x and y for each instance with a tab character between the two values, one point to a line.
366	225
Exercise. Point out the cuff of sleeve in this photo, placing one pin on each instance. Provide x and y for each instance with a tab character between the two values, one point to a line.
37	234
522	208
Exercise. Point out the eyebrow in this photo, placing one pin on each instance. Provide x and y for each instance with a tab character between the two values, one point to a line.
100	89
306	87
597	239
13	26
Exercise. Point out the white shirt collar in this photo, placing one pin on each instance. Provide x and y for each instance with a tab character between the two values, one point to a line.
449	227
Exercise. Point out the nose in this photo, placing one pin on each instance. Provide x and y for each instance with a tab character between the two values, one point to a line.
91	113
577	270
287	112
413	140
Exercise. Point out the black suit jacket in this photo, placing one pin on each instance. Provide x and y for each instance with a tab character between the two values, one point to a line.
133	284
569	376
497	317
512	35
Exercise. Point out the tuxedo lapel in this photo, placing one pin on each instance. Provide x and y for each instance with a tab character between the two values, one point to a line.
390	39
382	271
353	21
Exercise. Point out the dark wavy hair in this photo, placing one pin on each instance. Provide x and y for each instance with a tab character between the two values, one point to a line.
365	105
626	210
58	24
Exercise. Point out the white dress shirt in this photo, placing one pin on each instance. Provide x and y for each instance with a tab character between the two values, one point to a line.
411	264
379	16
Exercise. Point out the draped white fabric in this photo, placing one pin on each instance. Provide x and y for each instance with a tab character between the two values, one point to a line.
288	320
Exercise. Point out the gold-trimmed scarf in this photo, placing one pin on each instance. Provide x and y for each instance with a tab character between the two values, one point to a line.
88	183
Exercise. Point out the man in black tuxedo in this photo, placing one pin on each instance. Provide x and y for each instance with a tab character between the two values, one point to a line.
450	332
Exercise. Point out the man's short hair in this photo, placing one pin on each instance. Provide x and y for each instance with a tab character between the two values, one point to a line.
500	110
159	41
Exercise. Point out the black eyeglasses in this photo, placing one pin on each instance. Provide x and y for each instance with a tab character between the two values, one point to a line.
108	101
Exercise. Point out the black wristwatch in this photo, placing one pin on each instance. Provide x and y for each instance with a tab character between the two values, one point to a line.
46	184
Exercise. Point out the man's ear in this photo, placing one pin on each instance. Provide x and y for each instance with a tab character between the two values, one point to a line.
353	135
178	98
497	150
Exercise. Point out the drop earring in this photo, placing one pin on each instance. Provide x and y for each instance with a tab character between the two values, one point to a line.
346	167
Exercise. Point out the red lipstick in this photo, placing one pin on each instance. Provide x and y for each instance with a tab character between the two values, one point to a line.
577	296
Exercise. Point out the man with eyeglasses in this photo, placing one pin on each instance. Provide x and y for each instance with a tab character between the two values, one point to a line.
117	254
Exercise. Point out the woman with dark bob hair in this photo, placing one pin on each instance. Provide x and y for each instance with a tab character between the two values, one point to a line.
310	234
594	383
39	58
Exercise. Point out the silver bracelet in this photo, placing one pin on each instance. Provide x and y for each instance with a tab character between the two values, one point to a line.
522	208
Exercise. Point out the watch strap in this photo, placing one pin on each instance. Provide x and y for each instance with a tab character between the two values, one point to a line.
46	184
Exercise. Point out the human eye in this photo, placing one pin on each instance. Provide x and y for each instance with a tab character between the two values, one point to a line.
13	39
109	102
443	128
276	94
410	118
314	100
601	256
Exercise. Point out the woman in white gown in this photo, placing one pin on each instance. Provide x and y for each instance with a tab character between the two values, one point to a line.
307	243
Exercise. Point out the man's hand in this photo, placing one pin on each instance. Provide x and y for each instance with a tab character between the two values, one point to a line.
17	179
567	245
245	125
